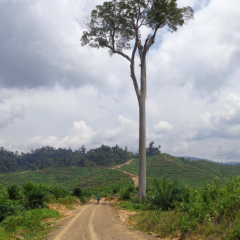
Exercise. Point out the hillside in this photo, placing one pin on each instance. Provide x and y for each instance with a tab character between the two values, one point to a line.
98	179
190	172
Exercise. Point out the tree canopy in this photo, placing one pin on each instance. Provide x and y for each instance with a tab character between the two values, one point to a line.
116	23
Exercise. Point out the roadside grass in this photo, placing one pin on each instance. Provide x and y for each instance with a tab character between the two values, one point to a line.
67	201
26	212
131	205
32	224
208	212
4	235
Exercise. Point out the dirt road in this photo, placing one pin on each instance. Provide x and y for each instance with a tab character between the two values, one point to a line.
95	222
133	176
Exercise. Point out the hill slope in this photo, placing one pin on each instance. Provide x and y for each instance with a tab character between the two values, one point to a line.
194	173
189	172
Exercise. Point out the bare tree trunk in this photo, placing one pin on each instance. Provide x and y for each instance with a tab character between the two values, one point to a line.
142	132
142	151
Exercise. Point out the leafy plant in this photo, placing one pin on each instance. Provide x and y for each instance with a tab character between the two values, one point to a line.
125	194
59	192
35	195
14	192
30	223
77	192
7	208
164	194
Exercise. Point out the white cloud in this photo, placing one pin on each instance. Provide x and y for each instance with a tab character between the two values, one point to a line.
162	127
181	148
222	124
79	135
16	112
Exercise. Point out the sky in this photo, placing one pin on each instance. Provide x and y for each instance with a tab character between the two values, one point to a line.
54	92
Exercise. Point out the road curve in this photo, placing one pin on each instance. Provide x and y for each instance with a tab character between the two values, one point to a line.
95	222
133	176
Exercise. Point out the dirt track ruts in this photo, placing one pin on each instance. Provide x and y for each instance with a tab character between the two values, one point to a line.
95	222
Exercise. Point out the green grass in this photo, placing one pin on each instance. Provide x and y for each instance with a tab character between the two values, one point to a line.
128	205
67	201
33	224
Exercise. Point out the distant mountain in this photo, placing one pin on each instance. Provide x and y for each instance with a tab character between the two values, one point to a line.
197	159
232	163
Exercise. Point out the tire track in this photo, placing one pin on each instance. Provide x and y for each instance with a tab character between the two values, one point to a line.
95	222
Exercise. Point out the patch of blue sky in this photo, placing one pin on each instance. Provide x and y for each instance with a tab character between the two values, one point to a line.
200	4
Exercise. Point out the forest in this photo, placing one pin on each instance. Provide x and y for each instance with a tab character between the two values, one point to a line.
46	157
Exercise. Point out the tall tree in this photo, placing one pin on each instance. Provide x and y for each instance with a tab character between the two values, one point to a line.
117	25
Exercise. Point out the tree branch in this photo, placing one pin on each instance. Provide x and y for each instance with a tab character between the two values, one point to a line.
150	40
119	52
132	66
133	76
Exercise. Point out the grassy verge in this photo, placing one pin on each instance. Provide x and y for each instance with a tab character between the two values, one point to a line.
32	224
26	212
171	210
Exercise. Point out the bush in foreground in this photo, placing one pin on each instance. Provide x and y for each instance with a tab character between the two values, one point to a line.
211	212
35	195
164	194
29	224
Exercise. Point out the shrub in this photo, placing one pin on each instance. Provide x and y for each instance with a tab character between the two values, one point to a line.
115	190
77	192
30	223
7	208
125	194
14	192
35	195
135	200
86	193
3	234
82	194
131	188
235	233
164	194
59	192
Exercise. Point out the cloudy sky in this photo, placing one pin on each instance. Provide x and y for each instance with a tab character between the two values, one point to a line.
55	92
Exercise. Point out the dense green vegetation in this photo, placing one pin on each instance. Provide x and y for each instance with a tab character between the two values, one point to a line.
99	179
172	209
24	212
194	173
47	157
